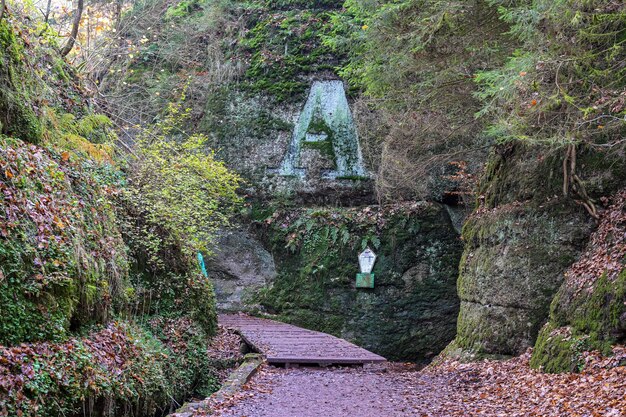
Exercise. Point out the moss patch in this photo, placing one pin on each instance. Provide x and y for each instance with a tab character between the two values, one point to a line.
558	350
284	44
33	78
594	320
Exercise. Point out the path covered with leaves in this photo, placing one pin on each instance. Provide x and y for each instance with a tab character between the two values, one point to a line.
449	389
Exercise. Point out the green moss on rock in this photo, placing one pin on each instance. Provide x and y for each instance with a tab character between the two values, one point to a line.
411	312
520	242
284	44
512	266
590	319
558	350
589	311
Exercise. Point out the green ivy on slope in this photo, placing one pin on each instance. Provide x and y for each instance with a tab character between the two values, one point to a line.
62	258
117	368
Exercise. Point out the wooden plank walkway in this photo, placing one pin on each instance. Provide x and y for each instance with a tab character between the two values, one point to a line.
286	344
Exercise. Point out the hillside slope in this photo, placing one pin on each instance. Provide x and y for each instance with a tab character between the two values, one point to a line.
89	322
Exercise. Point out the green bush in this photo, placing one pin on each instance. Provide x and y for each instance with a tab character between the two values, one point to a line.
564	84
70	237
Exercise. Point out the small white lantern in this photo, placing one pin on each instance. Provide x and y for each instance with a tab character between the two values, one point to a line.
366	261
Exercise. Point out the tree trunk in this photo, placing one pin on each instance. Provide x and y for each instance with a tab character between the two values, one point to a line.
47	15
118	23
118	14
70	42
1	8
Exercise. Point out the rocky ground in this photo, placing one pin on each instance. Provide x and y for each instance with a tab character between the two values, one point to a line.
449	389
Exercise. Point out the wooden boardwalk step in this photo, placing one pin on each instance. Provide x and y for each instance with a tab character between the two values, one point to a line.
291	345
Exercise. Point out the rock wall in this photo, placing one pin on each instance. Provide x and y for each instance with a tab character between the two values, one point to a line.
512	265
410	314
519	243
306	272
589	310
239	267
306	150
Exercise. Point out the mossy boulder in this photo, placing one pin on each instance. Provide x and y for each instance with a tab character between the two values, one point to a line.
410	313
589	310
520	241
512	265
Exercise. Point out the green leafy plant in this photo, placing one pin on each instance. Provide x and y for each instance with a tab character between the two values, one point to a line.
179	185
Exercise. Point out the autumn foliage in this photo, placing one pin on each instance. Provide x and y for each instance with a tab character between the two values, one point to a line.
114	369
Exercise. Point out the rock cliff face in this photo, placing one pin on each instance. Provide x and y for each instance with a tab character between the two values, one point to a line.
519	243
512	265
307	150
305	273
239	267
409	314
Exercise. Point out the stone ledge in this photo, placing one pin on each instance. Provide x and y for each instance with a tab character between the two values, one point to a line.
233	383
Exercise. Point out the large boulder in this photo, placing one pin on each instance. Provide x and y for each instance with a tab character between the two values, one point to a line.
238	267
512	265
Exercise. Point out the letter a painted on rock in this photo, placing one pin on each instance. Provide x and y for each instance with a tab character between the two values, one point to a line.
325	123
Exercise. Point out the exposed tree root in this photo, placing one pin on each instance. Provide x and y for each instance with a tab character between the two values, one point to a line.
573	183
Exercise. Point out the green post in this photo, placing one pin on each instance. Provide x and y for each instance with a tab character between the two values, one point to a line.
202	265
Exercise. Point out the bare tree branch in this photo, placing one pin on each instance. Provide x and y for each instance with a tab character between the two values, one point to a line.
75	25
47	15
